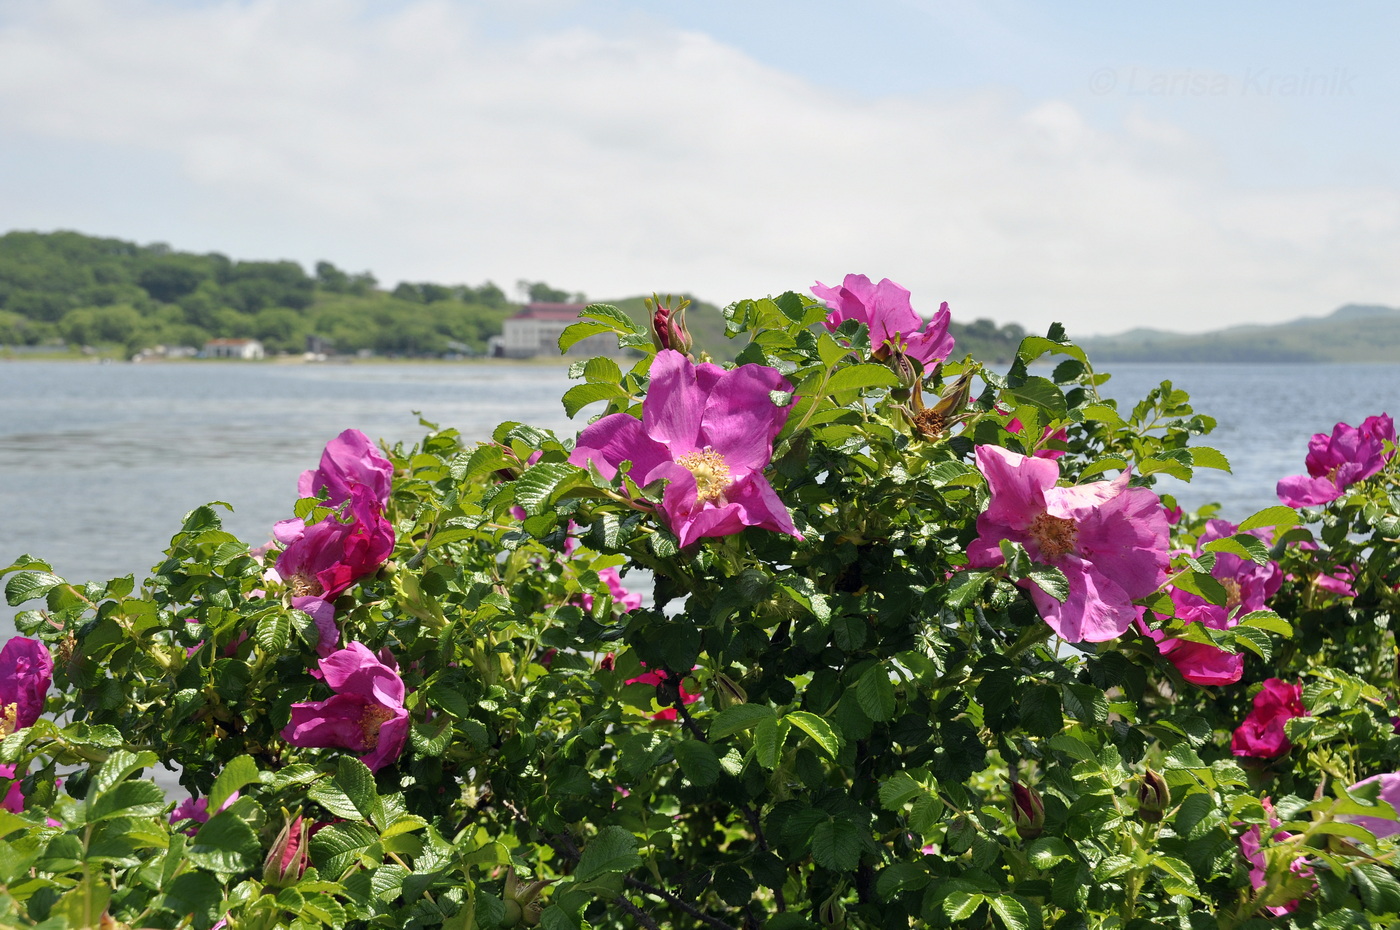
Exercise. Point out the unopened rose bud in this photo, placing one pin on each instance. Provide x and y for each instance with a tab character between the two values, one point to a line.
831	912
1027	811
286	860
1153	796
907	371
523	908
727	692
668	330
607	663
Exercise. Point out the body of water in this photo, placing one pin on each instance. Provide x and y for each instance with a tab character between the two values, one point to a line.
99	463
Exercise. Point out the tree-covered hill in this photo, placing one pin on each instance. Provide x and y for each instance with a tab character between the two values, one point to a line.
68	288
84	290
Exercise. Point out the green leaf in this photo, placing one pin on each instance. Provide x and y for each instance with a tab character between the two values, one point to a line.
1051	580
355	779
875	692
536	485
617	319
829	351
329	796
767	740
1046	851
1244	545
114	771
577	332
732	720
1040	711
697	761
1255	640
898	877
225	844
581	395
818	729
860	377
240	771
899	789
128	799
836	845
272	633
1011	911
1268	620
1042	393
960	905
198	894
1278	515
1104	414
26	586
614	849
1206	457
1085	703
1179	871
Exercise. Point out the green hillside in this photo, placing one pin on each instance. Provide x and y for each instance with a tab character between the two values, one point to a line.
1353	333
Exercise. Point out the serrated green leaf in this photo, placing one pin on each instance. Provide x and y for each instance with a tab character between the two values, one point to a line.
875	693
960	905
899	789
818	729
860	377
614	849
1277	515
1244	545
1206	457
836	845
767	741
119	764
225	844
1051	580
240	771
1012	912
1041	393
698	762
581	395
128	799
1268	620
1044	852
355	779
273	632
732	720
537	484
575	333
26	586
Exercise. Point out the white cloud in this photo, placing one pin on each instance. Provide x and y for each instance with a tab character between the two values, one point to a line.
435	148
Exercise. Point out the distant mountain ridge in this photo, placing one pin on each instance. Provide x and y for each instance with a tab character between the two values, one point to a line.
1351	333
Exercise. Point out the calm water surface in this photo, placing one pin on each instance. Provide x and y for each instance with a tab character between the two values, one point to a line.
99	463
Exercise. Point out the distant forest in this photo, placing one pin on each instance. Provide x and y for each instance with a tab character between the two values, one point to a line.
65	288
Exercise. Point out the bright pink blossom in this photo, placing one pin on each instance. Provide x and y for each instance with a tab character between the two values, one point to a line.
1261	734
365	715
1252	848
1339	581
886	309
1349	455
322	613
709	433
627	600
349	461
197	809
655	679
26	671
1389	792
325	558
1248	586
1110	541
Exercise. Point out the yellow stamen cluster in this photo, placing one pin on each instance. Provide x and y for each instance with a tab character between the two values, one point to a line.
370	721
1233	597
1056	536
9	716
304	585
711	474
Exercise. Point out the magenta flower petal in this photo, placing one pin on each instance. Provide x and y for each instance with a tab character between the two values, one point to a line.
323	613
1350	454
1261	734
1380	827
709	434
349	461
327	557
26	671
365	715
1109	539
886	309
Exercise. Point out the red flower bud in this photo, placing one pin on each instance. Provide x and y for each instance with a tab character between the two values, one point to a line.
1153	797
668	329
286	860
1027	811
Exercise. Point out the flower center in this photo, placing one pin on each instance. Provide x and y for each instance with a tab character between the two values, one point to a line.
1055	536
1233	597
711	474
9	716
371	720
930	423
305	585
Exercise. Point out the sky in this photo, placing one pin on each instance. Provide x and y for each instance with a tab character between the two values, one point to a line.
1106	165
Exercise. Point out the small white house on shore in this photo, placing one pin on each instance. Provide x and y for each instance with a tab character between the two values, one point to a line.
247	349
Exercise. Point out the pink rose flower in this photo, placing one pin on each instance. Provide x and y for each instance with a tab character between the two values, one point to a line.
1252	848
323	559
349	461
365	715
1389	792
886	309
709	433
197	809
322	614
1349	455
1110	541
1248	586
1261	734
655	679
622	597
26	671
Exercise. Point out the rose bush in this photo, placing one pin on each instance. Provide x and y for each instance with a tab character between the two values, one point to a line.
898	667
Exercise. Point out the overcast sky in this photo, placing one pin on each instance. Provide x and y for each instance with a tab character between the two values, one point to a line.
1110	165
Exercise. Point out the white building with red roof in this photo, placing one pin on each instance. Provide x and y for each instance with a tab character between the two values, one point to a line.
535	331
